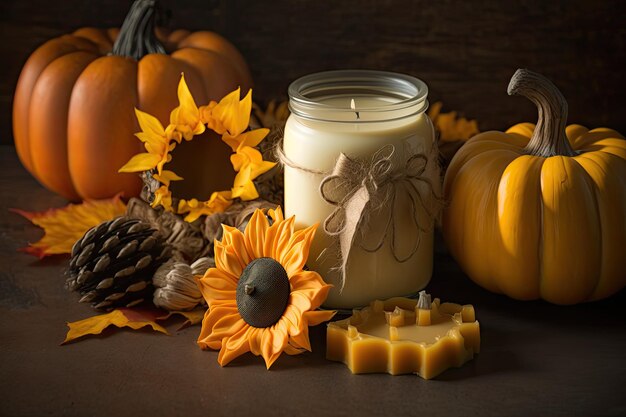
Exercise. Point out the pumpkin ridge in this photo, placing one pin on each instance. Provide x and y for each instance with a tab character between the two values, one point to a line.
55	48
610	211
52	94
570	256
517	224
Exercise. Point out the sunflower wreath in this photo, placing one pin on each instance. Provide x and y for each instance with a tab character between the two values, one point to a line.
229	118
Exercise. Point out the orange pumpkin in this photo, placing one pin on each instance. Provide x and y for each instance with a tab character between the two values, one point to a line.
73	118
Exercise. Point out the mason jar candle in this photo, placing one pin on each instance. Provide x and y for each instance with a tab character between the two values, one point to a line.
358	112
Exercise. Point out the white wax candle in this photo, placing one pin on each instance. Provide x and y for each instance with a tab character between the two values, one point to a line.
315	144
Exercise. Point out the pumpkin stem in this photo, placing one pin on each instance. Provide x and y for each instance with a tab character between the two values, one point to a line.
549	138
137	38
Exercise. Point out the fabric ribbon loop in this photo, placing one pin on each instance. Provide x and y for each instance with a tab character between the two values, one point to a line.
362	191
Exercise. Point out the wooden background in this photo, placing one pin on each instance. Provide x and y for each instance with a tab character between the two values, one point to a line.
466	51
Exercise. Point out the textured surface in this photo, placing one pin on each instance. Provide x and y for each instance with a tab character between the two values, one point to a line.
535	359
465	51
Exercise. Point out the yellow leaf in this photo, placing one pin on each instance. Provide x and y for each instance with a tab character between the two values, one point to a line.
193	317
122	317
141	162
64	226
450	127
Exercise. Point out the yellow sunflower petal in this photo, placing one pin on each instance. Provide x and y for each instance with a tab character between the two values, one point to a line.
238	161
292	350
251	138
273	342
276	214
141	162
217	288
166	177
229	259
217	284
309	299
205	332
234	241
223	322
296	252
149	124
186	117
232	114
219	322
279	235
234	346
301	338
304	280
243	187
254	339
163	197
314	318
255	234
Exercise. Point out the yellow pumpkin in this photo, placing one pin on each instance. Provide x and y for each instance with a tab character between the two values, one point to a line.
540	211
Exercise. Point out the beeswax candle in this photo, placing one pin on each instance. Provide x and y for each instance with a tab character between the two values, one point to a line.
400	336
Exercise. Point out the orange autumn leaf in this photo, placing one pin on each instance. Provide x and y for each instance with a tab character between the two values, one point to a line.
121	317
450	127
64	226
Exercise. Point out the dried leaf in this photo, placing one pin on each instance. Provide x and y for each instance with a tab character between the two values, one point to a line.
450	127
123	317
193	317
64	226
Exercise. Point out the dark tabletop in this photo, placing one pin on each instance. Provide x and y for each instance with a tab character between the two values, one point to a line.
536	359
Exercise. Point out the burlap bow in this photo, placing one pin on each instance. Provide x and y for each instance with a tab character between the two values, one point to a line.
373	190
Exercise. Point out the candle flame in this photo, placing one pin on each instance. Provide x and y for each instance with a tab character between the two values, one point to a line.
353	107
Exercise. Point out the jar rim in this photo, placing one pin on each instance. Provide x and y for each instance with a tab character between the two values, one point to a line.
409	95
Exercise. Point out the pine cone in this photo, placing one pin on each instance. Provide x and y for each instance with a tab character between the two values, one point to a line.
113	263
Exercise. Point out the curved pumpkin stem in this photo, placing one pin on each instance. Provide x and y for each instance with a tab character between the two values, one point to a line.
137	38
549	138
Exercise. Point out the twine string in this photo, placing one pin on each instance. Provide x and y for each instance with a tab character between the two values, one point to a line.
362	190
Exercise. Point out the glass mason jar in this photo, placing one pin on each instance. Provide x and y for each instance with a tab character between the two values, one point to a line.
357	112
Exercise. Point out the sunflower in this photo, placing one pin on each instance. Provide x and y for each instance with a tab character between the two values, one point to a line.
229	118
261	300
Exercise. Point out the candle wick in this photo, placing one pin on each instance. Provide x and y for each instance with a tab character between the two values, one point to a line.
353	107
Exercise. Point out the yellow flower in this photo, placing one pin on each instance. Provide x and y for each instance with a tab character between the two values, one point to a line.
261	300
217	203
229	118
186	117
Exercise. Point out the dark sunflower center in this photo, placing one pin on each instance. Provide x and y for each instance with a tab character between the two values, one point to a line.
263	292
